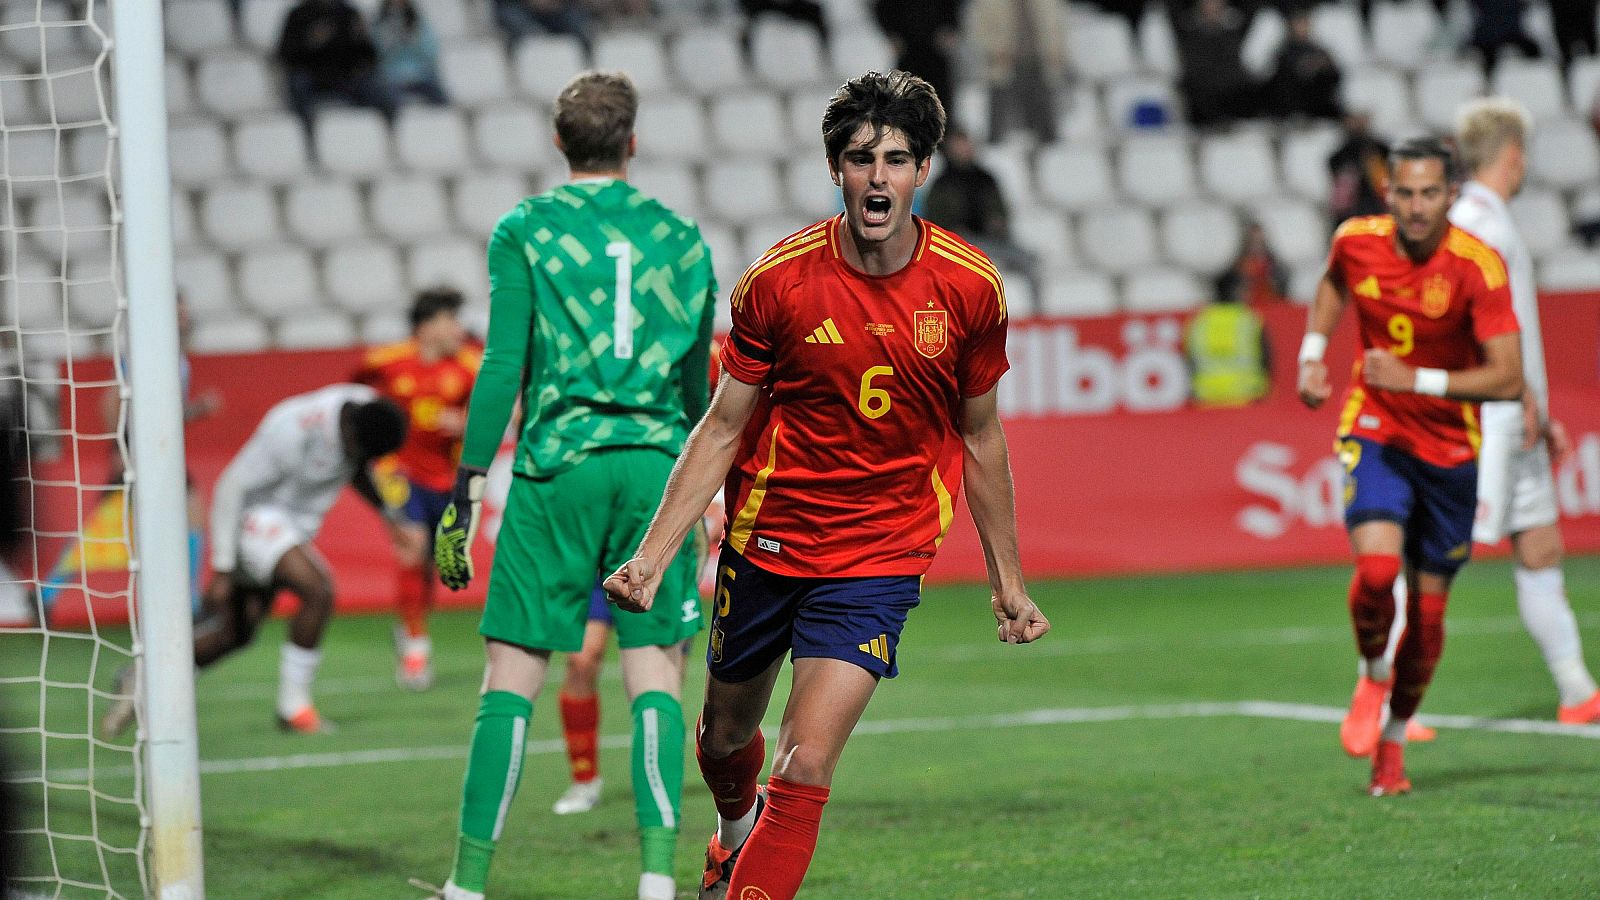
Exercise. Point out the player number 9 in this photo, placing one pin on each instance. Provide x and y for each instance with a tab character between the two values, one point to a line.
1402	329
873	402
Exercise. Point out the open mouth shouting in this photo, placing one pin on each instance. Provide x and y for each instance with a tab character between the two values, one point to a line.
875	210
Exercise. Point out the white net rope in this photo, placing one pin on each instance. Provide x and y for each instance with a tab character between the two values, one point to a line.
72	809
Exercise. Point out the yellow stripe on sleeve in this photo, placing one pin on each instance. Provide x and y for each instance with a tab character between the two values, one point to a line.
742	289
993	279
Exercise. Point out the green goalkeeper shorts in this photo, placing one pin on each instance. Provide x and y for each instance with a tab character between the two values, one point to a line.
560	534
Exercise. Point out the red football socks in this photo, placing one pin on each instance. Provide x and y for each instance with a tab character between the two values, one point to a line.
1372	601
775	858
1417	655
732	779
580	724
412	599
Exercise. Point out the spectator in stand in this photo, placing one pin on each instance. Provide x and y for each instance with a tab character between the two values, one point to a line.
1498	23
966	198
926	36
1305	80
1216	87
1574	22
1358	171
1256	278
408	52
520	18
806	12
1226	344
328	54
1023	47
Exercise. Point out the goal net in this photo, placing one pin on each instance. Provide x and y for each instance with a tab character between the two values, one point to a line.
75	806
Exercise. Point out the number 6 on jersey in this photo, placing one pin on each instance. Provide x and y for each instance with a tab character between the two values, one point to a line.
874	402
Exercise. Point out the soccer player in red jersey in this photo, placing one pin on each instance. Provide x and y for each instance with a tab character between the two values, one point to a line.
430	376
860	383
1438	336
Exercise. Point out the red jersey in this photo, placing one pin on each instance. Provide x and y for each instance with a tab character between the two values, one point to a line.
425	391
1435	314
851	462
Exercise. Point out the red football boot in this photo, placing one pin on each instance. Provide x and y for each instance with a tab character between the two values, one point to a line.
1389	770
1362	724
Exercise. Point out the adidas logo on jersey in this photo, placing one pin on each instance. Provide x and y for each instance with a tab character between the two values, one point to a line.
1369	288
826	333
878	647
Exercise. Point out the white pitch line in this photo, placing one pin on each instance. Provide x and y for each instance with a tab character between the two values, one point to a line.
1259	709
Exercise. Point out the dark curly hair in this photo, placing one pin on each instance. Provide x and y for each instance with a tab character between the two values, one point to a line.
883	102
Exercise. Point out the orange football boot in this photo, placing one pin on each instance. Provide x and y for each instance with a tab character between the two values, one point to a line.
1389	770
306	721
1416	732
1363	723
1585	713
720	862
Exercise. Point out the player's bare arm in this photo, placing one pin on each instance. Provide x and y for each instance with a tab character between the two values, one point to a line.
1326	308
1498	378
700	470
992	499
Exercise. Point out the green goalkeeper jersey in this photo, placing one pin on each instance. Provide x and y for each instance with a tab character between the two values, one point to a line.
601	307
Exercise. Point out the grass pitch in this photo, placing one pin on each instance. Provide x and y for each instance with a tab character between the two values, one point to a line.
1170	738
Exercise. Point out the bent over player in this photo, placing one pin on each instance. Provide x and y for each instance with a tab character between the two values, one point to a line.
1438	336
861	373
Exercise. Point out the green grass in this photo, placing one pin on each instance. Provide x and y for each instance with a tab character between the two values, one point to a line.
956	805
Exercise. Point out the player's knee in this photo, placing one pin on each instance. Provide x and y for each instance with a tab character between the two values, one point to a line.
805	764
316	598
720	737
1377	572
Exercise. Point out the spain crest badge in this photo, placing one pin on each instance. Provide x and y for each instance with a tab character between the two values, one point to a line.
930	331
1435	296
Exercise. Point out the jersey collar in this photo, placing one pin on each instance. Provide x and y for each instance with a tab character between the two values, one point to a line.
1480	192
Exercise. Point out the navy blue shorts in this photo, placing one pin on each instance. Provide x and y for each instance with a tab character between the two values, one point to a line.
600	606
424	506
759	616
1434	505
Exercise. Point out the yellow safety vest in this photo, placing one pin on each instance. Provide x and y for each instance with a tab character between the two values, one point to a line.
1224	346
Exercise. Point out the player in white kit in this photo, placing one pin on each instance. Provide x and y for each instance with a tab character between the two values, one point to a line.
265	509
1516	490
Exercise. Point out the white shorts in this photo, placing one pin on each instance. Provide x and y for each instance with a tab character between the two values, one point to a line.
267	534
1516	490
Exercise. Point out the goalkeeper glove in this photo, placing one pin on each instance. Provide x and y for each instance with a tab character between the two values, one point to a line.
452	540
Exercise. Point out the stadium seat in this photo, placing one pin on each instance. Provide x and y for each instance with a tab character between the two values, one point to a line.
1074	176
452	262
1303	280
67	224
750	123
91	295
235	334
408	207
1564	154
1020	300
1337	27
307	331
1238	166
1162	290
858	50
763	233
1262	40
431	139
1156	169
545	63
1100	46
482	198
1402	33
1076	293
1305	160
708	60
745	189
1297	231
811	193
29	161
514	136
383	327
364	276
1045	233
672	126
1536	84
27	35
180	92
1118	239
639	53
1080	117
1541	215
1158	43
1010	164
1570	271
324	213
276	281
34	299
271	148
1584	83
352	142
184	231
261	23
1441	89
447	18
727	260
233	84
1384	94
673	183
1126	95
206	283
78	90
786	54
239	216
474	72
805	108
197	27
1201	237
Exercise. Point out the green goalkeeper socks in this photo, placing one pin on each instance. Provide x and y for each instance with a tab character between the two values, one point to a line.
657	777
494	768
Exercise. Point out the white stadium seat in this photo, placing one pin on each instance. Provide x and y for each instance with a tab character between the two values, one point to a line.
750	123
707	60
1076	292
451	262
233	84
513	135
196	27
1100	47
239	216
1564	154
672	126
1238	166
1158	43
1010	165
638	53
364	275
1162	290
1262	41
1402	32
235	334
1337	27
28	35
383	327
481	199
809	189
206	283
261	23
1570	271
745	189
1441	89
180	92
672	183
1297	231
1305	160
1201	237
1125	95
786	54
448	18
1045	233
762	234
1536	84
805	108
405	207
91	295
431	139
324	213
474	71
352	142
545	62
184	230
1303	280
1156	169
1382	93
1541	216
1080	117
278	281
727	260
1074	176
316	330
1118	239
858	50
271	148
1584	82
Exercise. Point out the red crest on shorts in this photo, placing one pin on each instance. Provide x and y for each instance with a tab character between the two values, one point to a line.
929	331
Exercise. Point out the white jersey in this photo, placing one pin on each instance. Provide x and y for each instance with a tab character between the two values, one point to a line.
1481	212
294	463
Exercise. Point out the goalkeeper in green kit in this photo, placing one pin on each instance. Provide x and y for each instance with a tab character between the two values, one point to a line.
600	316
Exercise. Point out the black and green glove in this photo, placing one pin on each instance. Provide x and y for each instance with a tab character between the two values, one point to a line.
452	540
